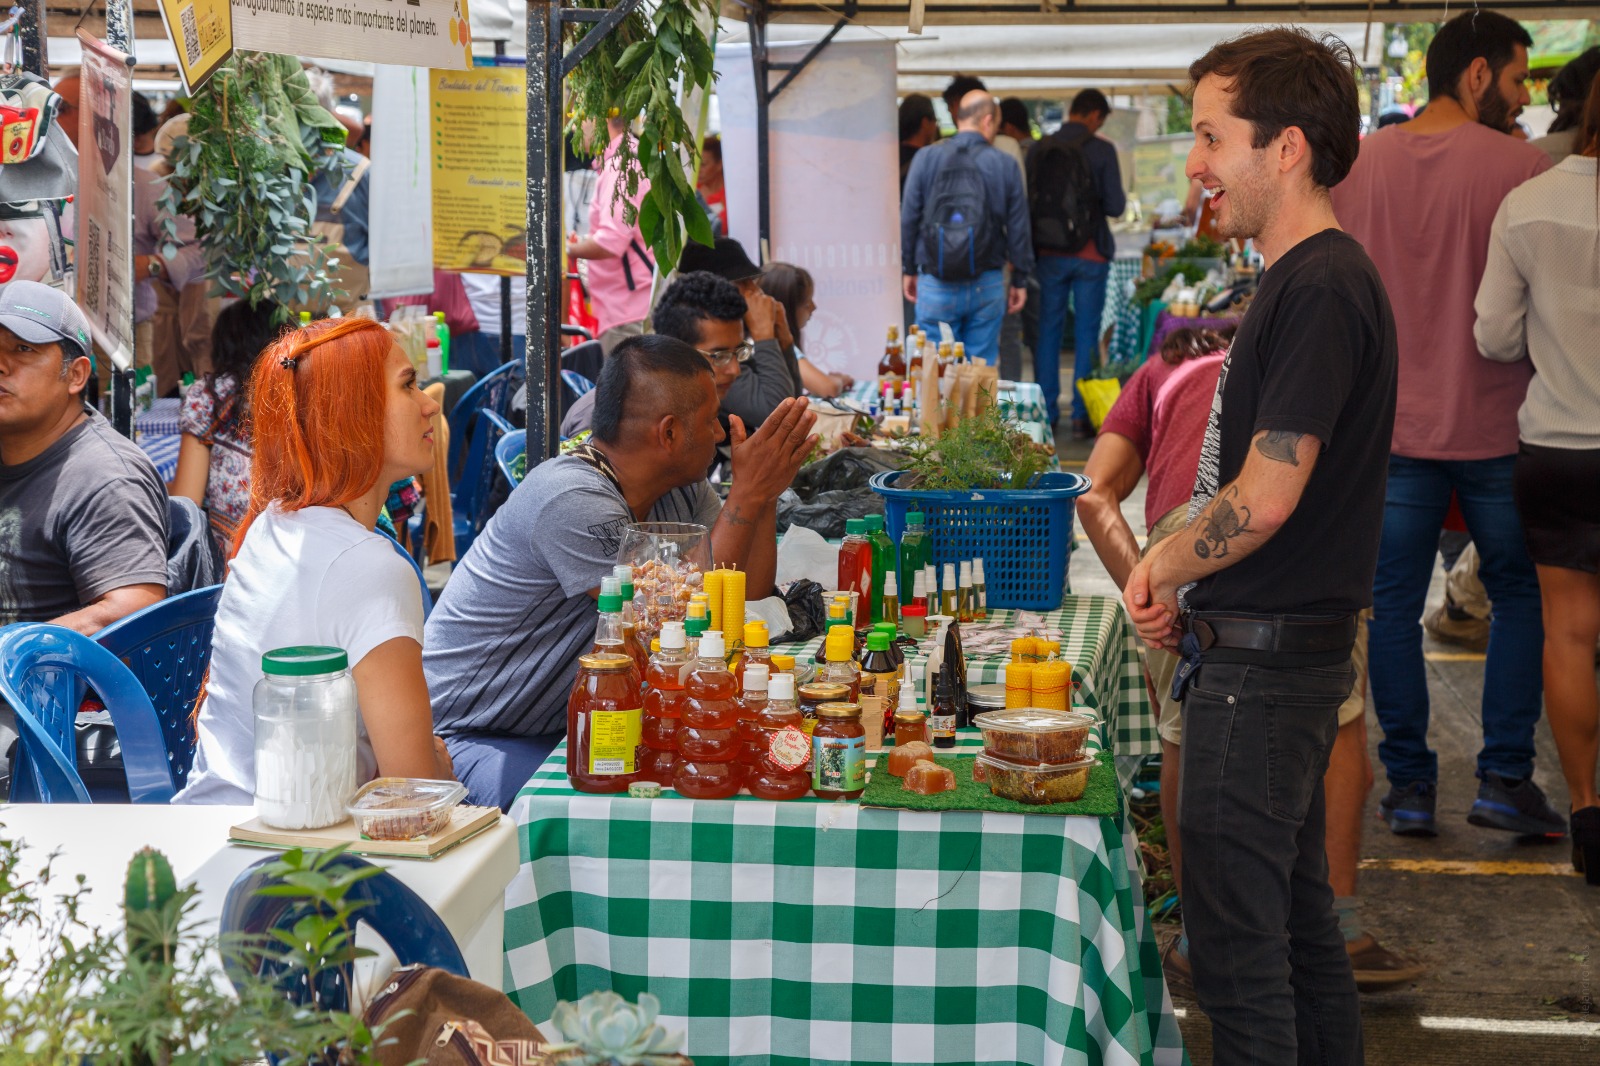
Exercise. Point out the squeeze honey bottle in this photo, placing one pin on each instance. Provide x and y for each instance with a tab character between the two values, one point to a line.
840	667
630	622
750	703
782	766
610	633
708	744
757	649
663	705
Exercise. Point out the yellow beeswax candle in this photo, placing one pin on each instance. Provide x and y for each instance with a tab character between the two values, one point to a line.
733	606
1019	684
713	587
1052	682
1019	649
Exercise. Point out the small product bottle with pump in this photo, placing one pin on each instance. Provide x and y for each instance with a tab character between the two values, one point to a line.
980	592
708	766
891	601
964	593
931	582
919	591
839	649
909	721
950	592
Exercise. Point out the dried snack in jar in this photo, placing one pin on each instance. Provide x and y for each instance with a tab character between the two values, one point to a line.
928	778
1030	734
905	756
404	808
1037	784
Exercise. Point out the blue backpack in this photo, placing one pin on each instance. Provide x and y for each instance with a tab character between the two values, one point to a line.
957	233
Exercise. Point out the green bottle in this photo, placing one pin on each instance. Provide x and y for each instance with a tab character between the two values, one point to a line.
916	552
883	556
442	331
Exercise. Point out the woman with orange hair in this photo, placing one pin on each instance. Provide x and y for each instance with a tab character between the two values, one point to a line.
337	418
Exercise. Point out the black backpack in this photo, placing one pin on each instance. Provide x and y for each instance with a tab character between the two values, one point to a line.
957	233
1063	203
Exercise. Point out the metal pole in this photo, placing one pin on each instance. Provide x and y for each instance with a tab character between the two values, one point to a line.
544	228
760	68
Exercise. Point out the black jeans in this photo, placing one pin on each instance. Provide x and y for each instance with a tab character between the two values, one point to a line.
1270	967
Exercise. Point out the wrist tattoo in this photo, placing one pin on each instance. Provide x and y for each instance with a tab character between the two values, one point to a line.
1280	445
735	518
1220	523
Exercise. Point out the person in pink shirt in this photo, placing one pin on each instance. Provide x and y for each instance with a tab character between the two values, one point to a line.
620	266
1421	198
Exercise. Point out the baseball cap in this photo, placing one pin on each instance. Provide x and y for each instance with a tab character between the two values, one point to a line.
726	259
42	315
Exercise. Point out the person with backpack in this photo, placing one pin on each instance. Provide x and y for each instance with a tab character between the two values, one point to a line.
964	216
1074	188
621	269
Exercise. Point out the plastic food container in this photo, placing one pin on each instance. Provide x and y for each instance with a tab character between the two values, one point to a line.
1059	783
1031	734
404	808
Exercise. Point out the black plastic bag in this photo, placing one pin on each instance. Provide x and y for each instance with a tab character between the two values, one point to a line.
803	598
847	468
827	511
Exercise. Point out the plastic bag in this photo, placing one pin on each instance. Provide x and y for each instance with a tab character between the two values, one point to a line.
847	468
826	512
806	613
1098	396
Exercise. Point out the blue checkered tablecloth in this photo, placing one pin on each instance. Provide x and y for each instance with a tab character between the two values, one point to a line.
163	452
162	418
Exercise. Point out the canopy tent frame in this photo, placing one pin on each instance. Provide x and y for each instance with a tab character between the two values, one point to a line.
1057	12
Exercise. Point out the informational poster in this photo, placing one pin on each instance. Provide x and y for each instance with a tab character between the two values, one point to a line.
1158	176
201	32
834	165
479	148
400	237
418	33
105	198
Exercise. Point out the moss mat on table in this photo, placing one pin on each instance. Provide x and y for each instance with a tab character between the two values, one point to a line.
1101	797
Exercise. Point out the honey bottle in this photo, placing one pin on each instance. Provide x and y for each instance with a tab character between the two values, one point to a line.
781	769
708	744
663	705
751	701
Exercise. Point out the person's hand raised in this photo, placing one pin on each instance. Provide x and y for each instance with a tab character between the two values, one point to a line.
766	461
761	316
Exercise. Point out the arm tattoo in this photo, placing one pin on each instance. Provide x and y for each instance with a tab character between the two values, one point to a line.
1221	523
734	518
1280	445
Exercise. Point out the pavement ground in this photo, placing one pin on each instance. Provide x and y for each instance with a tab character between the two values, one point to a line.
1509	934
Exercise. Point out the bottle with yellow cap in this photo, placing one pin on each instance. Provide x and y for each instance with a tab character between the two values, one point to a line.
695	625
839	653
756	649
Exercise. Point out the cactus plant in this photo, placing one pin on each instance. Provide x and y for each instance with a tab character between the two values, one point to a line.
147	899
603	1029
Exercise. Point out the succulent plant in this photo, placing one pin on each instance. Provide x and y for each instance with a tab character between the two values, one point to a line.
149	891
606	1030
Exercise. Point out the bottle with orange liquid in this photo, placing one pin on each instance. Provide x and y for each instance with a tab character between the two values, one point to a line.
708	764
603	724
752	700
610	632
839	651
855	568
663	705
630	623
757	649
782	766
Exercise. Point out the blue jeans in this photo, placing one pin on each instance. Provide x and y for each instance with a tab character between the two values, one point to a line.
479	352
1414	508
1084	280
495	766
1270	965
974	309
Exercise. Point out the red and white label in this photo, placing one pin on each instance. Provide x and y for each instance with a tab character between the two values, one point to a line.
789	748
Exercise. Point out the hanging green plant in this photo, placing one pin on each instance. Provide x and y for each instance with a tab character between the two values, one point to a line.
642	66
242	173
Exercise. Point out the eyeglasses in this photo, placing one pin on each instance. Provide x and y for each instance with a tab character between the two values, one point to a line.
724	356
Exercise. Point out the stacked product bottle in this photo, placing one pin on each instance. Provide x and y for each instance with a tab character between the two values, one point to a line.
663	705
752	700
708	766
781	768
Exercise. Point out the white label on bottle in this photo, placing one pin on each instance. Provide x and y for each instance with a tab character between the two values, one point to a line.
942	724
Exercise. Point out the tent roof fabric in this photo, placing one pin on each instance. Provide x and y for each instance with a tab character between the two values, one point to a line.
1047	12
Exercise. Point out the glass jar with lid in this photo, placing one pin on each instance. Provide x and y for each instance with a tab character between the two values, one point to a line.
838	752
306	736
605	723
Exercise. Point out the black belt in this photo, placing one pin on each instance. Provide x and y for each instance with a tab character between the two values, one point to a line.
1286	634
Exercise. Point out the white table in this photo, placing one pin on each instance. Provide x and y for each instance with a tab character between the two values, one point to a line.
465	886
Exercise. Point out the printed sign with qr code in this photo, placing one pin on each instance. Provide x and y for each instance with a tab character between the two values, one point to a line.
202	35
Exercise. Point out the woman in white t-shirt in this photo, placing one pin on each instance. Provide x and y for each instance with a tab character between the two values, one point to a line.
336	419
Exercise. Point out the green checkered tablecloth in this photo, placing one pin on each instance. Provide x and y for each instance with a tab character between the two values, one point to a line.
1107	668
1020	401
783	934
812	931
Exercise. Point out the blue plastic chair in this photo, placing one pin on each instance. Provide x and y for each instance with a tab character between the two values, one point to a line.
577	382
471	499
168	647
511	445
44	671
422	581
493	392
403	919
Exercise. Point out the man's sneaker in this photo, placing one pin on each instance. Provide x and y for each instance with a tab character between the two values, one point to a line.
1515	806
1452	625
1377	968
1408	810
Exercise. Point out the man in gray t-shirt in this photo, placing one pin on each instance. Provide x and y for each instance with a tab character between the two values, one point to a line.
502	644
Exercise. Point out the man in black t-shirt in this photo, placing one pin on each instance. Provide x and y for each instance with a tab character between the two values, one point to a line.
1261	590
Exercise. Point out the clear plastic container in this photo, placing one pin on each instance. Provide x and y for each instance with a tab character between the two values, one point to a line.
404	808
1030	734
305	737
1035	784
